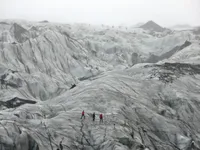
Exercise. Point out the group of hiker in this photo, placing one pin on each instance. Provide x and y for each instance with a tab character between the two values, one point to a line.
93	116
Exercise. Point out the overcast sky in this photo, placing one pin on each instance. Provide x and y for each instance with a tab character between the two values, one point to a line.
163	12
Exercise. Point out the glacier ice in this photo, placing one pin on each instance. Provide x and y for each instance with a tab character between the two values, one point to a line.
145	105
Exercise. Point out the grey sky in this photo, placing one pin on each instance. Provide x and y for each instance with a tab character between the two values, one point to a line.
164	12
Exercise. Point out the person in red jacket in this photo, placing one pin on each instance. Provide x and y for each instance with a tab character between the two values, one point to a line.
83	114
101	118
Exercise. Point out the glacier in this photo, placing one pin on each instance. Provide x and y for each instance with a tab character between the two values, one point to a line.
146	105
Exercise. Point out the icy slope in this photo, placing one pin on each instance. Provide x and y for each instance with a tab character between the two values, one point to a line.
145	106
190	54
154	58
47	58
154	106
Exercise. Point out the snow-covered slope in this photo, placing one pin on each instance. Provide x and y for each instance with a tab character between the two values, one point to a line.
145	106
190	54
63	54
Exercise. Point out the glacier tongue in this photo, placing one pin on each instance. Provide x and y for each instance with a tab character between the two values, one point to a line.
50	73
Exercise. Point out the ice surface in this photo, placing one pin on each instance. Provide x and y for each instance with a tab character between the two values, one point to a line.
145	106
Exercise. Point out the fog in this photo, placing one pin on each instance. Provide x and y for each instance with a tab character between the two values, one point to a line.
128	12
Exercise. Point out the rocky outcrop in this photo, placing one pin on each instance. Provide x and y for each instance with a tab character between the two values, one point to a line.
16	102
174	50
168	72
153	58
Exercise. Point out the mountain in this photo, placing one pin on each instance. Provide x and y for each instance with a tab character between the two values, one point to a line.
150	25
51	72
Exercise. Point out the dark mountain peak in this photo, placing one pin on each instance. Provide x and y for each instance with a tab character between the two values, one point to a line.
151	22
151	25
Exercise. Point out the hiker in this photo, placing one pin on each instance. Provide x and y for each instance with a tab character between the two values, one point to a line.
93	116
101	118
83	114
61	146
132	134
192	144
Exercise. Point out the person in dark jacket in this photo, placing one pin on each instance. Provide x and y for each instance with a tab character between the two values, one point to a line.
93	116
